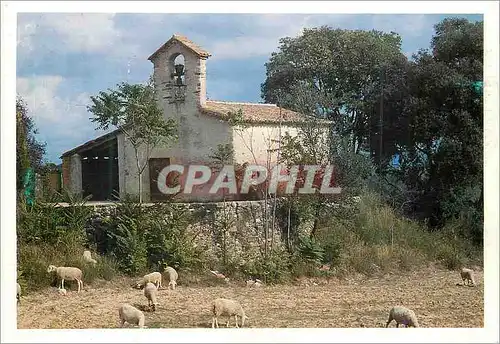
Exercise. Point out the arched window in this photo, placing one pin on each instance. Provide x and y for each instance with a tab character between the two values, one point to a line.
177	66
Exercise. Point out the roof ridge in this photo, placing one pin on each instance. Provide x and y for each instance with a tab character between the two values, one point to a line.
241	103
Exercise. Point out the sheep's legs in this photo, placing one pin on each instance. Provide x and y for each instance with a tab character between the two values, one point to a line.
62	283
236	320
228	319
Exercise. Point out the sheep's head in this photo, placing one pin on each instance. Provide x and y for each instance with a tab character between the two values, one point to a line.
138	285
51	268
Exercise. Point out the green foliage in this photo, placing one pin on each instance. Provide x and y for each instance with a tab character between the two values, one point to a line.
428	110
310	250
52	224
34	258
133	110
373	238
29	151
52	235
141	238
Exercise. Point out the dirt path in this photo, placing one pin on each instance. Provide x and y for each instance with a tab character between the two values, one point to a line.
435	298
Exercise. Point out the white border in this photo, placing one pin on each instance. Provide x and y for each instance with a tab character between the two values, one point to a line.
9	333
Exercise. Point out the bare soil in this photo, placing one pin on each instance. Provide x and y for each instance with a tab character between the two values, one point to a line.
433	294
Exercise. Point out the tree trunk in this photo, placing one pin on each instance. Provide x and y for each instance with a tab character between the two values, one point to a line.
140	187
316	221
288	229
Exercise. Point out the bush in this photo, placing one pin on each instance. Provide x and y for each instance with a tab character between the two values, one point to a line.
374	239
33	260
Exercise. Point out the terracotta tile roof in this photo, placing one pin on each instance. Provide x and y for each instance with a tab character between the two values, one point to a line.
252	112
184	41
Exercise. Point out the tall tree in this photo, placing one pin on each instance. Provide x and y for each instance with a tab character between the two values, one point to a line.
344	74
29	151
133	109
443	156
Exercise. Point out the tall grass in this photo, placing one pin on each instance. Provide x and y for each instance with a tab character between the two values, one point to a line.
373	238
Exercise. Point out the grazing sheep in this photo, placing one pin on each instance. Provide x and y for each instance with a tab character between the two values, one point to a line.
151	294
172	275
467	276
67	273
18	295
87	257
402	315
131	315
153	277
227	307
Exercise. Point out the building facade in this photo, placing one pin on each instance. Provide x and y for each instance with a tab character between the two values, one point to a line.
106	166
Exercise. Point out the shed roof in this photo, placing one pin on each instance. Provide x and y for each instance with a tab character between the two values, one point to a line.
184	41
92	143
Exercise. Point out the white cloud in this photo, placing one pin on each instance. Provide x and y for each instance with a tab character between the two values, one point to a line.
266	30
75	32
58	119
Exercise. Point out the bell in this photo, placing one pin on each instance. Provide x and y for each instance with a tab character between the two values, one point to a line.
179	69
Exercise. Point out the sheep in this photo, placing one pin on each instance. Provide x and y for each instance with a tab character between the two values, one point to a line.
172	275
87	257
68	273
151	293
131	315
18	295
402	315
227	307
467	276
153	277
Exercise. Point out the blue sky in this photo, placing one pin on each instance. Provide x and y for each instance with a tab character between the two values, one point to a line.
62	58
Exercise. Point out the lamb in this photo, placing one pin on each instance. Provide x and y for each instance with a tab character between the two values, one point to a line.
153	277
18	295
227	307
87	257
151	294
67	273
131	315
467	276
402	315
172	275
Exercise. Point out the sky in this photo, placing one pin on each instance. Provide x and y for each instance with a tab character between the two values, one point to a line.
64	58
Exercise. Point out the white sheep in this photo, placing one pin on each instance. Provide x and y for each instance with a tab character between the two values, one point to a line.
131	315
467	276
402	315
67	273
18	294
227	307
172	275
153	277
151	293
87	257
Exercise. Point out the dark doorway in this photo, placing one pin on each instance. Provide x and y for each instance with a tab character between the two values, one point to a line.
100	171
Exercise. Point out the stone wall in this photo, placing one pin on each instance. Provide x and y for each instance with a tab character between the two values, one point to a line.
243	223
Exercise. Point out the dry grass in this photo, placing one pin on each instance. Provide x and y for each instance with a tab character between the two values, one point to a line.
433	294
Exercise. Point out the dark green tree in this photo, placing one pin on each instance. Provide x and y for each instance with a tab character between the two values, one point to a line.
29	151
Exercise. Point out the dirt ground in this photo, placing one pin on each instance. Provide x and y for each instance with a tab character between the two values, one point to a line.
433	294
